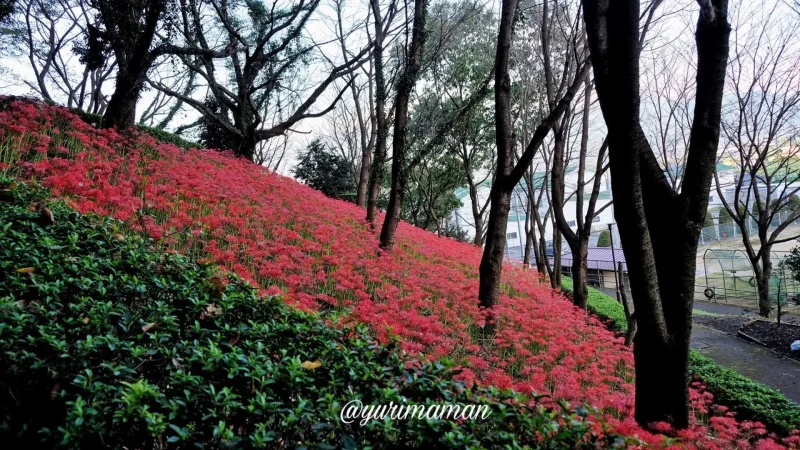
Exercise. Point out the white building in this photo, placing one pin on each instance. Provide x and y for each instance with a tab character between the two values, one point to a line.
515	232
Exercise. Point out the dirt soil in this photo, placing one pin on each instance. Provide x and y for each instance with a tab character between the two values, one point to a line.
726	324
778	338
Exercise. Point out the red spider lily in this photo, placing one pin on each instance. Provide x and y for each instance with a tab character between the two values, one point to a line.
318	253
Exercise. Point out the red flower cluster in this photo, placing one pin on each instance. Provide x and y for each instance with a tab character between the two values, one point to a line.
319	253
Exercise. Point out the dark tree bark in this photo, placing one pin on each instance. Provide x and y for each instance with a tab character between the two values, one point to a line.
659	228
630	316
382	124
401	167
508	174
404	87
578	240
131	43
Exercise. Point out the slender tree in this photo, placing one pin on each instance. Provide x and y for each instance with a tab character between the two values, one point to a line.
508	174
659	227
401	164
578	239
378	169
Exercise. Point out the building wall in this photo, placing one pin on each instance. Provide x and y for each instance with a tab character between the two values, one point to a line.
515	232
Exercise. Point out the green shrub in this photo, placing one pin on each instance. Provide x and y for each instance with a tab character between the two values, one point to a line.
606	307
709	220
604	240
793	204
107	342
750	400
724	216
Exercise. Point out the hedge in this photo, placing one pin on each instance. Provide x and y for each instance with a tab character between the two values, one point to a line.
750	400
106	341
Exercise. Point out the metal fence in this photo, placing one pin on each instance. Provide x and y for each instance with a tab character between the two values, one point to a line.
722	231
728	277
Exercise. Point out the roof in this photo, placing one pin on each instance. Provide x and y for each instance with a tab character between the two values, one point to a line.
598	258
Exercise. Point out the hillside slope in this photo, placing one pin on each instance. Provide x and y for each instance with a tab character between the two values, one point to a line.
318	253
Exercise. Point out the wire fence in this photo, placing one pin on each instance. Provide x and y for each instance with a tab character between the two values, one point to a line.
728	277
718	232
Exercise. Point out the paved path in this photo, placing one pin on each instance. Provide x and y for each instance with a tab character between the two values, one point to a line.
751	360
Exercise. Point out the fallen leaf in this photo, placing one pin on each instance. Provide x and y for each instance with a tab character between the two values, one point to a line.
26	270
85	320
46	216
235	339
213	310
148	327
205	261
311	365
119	237
218	285
8	187
55	391
176	363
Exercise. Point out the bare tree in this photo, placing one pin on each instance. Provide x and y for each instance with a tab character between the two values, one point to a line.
659	227
263	50
52	36
162	109
578	239
364	117
761	127
667	113
508	173
382	24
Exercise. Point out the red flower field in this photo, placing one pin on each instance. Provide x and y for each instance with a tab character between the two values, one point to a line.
319	253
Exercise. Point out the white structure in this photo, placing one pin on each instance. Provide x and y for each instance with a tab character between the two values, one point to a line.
515	232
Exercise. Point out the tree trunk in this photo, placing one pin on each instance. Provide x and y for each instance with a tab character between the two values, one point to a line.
478	230
404	88
555	276
762	276
379	159
630	316
492	260
363	179
500	196
580	293
530	238
133	58
658	227
121	111
661	382
389	228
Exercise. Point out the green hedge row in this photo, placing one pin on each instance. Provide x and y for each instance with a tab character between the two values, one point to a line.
750	400
107	342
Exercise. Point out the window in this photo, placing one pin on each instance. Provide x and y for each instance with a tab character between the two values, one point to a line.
511	236
711	199
571	223
596	219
